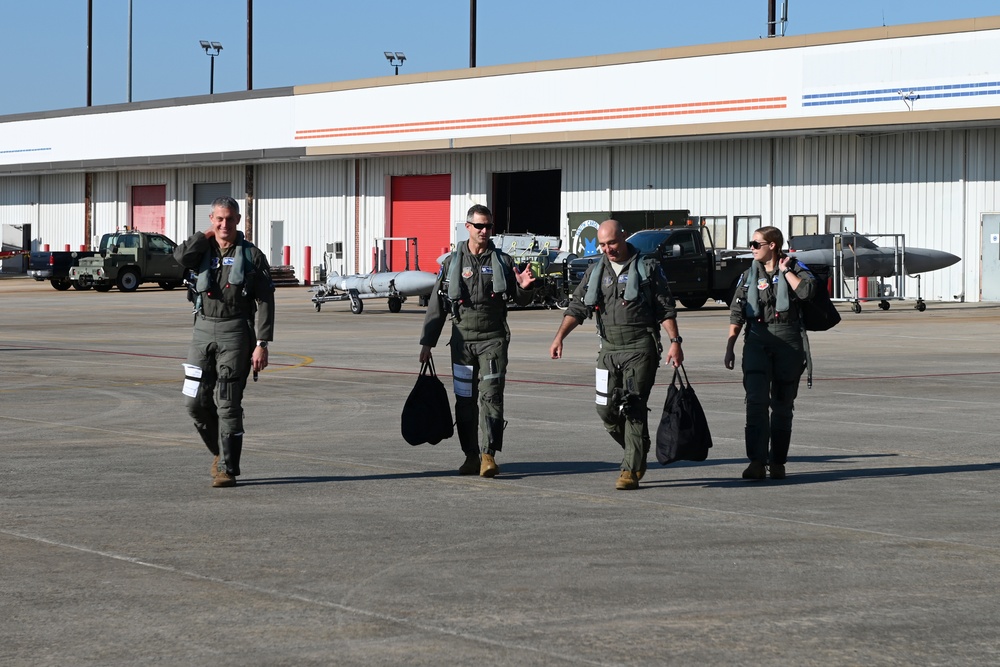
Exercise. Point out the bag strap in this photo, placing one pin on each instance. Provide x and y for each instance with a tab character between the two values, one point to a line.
681	378
683	381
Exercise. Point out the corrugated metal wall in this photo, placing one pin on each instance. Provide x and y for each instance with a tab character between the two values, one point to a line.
52	205
106	211
982	196
315	200
61	218
19	205
707	178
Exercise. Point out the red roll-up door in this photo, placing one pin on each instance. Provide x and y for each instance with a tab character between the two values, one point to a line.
149	208
421	207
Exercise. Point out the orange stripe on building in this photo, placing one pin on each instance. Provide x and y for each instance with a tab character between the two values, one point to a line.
550	117
466	125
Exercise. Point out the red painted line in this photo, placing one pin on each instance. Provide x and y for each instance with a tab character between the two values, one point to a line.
348	369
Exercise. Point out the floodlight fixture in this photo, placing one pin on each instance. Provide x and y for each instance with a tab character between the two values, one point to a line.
395	59
217	47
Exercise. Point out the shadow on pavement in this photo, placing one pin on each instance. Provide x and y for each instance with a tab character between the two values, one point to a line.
802	470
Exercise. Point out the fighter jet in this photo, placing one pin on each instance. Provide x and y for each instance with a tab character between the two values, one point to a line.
851	255
395	286
859	256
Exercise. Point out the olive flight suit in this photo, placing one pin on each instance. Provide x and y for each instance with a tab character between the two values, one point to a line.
630	348
228	321
479	340
773	358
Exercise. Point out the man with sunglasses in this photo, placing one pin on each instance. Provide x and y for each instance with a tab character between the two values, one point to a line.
474	285
630	297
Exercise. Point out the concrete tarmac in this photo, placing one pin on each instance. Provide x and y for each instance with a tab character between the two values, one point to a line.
343	545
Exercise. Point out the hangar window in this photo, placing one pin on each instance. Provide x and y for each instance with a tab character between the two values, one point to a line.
841	223
801	225
743	228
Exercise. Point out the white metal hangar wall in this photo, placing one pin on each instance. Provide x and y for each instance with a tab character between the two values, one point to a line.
890	130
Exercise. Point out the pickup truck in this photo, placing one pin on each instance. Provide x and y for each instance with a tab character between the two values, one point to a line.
128	259
54	266
696	271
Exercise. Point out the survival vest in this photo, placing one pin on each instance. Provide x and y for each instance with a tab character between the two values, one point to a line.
239	274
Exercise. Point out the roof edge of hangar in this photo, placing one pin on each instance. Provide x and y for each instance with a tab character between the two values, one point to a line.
670	53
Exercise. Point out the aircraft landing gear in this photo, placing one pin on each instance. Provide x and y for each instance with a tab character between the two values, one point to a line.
884	305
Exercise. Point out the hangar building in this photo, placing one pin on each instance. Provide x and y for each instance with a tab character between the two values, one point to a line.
890	130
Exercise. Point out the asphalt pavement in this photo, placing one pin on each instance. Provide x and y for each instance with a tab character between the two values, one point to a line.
343	545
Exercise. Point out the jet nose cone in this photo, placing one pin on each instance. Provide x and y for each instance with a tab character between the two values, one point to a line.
922	260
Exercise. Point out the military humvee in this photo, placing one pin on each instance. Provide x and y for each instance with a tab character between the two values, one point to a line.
128	259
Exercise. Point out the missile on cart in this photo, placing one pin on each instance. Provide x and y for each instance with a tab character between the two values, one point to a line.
401	283
395	286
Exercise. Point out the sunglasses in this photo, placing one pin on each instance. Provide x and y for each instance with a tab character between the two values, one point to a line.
757	245
481	225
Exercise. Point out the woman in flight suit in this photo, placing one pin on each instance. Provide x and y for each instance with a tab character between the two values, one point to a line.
766	301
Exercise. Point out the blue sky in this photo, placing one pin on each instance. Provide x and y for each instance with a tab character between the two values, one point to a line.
43	43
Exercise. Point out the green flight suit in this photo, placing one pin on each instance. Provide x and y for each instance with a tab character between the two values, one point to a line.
228	324
773	360
479	342
630	350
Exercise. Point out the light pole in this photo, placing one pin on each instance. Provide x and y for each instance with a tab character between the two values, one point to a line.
211	76
395	59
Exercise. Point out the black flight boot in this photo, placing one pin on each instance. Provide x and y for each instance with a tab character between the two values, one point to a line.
780	441
756	444
232	448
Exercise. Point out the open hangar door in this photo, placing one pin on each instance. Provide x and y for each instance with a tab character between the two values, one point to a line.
420	207
527	202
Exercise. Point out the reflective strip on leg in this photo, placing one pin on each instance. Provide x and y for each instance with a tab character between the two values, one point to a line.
192	379
601	397
462	380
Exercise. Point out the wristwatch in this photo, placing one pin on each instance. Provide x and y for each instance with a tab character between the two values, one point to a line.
677	340
262	343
